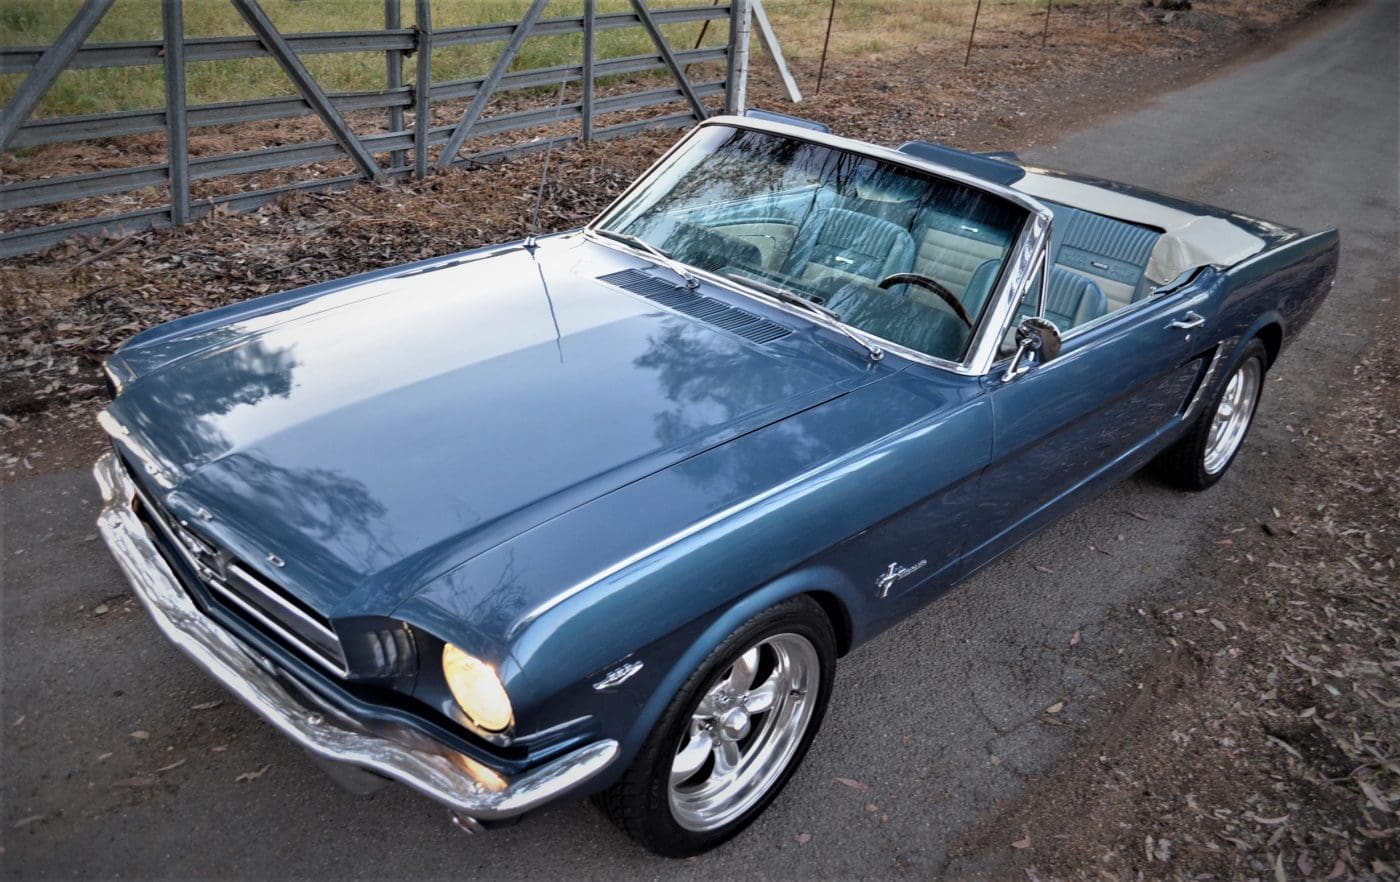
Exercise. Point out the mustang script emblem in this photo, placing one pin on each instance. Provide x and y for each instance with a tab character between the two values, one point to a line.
893	574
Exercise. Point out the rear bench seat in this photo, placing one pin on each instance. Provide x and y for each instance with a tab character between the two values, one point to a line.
1113	253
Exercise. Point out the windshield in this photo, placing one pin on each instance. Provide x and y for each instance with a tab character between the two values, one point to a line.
789	217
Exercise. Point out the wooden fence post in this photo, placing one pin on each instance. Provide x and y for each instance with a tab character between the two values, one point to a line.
422	85
177	132
590	11
826	44
970	37
393	61
736	86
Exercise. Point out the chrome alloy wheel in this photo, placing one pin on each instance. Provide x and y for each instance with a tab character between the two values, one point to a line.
744	732
1232	416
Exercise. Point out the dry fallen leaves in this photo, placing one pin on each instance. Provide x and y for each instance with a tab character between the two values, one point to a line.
252	776
1022	843
853	784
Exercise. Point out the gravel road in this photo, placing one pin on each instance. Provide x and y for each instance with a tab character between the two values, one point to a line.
121	759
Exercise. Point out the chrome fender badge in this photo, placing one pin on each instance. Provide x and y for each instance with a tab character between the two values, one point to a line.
618	675
893	573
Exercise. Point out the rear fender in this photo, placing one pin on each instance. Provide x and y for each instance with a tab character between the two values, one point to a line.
1283	285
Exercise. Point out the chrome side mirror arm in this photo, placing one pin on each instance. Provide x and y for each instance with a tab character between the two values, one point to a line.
1020	362
1036	336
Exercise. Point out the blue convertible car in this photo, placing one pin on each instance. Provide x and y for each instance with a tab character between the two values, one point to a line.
596	514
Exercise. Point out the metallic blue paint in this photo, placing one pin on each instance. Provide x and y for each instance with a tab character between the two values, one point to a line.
557	475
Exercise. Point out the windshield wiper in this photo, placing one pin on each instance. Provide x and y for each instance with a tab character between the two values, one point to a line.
637	242
780	293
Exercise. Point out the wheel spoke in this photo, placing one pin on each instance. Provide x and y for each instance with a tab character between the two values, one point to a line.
706	709
742	674
744	732
727	757
763	696
691	758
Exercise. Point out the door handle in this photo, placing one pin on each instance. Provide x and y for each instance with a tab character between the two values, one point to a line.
1187	322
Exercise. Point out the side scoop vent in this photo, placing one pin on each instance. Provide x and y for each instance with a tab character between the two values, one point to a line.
706	309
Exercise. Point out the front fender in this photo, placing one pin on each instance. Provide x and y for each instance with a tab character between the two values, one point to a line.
805	581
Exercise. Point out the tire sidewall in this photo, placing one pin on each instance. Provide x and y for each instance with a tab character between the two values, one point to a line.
1253	350
798	615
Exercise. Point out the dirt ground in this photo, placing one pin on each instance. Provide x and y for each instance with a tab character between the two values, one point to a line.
1261	741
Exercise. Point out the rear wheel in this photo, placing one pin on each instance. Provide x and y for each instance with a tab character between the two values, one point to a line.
1204	454
732	737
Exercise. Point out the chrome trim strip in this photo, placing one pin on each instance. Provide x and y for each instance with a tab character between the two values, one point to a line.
336	665
654	548
1033	237
312	652
122	435
1215	362
1033	244
457	781
264	590
788	308
848	462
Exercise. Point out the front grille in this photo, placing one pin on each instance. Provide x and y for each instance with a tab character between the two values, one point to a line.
235	587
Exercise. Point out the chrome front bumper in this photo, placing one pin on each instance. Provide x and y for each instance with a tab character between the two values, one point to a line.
459	782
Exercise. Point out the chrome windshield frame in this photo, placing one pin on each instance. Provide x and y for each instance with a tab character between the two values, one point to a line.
1016	275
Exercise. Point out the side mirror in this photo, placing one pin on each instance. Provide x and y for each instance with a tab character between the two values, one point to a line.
1033	335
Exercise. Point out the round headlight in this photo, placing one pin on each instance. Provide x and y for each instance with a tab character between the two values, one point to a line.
477	689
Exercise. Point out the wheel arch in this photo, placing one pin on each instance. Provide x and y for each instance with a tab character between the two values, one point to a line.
1271	335
823	585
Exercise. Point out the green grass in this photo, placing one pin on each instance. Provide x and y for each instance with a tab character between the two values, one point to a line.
863	27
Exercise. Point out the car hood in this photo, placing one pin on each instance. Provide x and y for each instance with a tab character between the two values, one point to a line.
372	438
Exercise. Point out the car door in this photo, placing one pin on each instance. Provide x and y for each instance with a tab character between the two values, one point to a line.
1064	428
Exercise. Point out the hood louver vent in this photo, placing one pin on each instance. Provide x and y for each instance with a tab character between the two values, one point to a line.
706	309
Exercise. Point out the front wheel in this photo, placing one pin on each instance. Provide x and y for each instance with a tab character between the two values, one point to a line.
1201	457
732	737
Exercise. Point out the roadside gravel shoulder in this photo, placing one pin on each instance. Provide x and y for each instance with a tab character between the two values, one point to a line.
1261	740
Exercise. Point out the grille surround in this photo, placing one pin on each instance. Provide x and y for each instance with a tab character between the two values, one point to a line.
234	586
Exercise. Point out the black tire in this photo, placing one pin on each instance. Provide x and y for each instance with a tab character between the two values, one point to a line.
1185	463
640	803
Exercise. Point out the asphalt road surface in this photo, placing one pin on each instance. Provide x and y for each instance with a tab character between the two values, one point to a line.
115	764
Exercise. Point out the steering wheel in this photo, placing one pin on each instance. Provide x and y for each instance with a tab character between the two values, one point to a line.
933	285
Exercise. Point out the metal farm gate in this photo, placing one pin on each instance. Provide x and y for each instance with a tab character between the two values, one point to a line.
403	150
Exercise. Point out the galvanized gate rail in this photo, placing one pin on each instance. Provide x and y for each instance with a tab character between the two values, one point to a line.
405	146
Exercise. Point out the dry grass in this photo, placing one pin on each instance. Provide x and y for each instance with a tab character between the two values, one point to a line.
861	28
